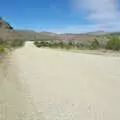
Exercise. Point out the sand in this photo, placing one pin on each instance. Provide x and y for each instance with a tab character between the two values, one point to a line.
45	84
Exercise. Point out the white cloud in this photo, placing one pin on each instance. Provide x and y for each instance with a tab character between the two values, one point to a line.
99	10
104	13
109	27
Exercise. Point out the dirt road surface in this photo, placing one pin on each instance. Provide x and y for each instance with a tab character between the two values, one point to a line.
45	84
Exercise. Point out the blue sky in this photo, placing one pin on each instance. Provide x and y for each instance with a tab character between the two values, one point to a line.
62	16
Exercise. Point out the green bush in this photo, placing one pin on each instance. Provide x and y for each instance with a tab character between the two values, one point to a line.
68	44
113	44
95	44
2	49
8	44
3	45
42	43
58	44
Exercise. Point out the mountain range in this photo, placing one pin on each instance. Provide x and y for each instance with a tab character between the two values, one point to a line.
8	32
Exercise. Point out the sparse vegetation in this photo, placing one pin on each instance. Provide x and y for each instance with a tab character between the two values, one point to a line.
2	48
61	44
8	44
3	45
17	43
113	43
95	44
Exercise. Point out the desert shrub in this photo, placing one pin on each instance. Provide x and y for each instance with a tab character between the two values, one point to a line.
113	43
67	44
3	45
17	43
95	44
70	43
67	47
79	45
8	44
1	42
2	48
42	43
36	44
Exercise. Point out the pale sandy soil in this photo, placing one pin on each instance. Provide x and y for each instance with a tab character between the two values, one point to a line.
45	84
102	52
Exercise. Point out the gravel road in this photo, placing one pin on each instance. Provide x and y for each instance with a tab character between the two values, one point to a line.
45	84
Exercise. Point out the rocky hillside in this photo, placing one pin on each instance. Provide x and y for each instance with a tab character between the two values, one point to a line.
8	32
5	25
